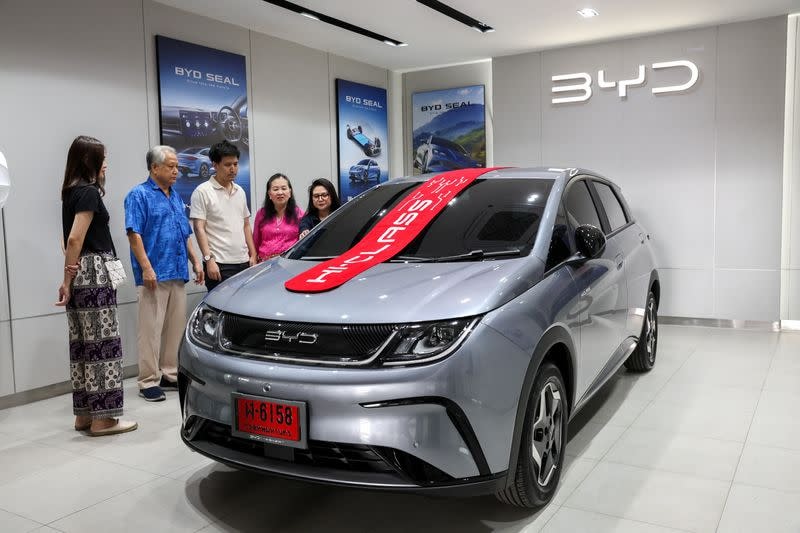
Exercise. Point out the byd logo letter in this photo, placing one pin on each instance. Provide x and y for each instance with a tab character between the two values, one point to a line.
585	87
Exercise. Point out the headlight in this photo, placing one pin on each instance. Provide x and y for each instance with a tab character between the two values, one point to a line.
204	325
422	343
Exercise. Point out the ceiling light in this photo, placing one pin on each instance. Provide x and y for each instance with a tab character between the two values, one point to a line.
455	14
316	15
587	13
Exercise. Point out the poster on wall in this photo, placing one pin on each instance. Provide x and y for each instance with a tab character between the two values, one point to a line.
362	137
449	129
203	100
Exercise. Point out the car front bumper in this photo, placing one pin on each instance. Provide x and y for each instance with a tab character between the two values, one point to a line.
444	426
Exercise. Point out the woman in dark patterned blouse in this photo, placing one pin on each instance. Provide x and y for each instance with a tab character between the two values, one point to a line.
95	349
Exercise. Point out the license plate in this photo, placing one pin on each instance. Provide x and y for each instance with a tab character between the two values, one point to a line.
270	420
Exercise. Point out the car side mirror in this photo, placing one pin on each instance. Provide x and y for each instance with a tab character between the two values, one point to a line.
590	241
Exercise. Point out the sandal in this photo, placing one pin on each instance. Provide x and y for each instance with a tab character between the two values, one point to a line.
122	426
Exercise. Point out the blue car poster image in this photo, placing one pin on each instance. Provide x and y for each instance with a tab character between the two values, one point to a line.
362	137
203	100
449	130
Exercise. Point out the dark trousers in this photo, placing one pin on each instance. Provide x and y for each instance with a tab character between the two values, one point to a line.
226	271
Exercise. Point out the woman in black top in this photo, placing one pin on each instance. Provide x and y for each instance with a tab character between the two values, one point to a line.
322	201
95	349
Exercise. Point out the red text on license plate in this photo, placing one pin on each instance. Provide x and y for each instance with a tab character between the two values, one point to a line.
269	419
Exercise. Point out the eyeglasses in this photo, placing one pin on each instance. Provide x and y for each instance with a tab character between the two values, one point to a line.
321	196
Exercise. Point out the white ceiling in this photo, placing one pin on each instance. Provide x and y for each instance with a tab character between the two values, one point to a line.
434	39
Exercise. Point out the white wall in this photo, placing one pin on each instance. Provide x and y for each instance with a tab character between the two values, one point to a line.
59	82
790	309
702	169
88	67
446	78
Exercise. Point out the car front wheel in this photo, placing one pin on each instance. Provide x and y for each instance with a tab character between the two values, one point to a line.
204	171
544	439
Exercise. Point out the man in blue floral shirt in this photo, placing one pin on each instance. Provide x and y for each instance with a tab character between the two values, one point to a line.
161	249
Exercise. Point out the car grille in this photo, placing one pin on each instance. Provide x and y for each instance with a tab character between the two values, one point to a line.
331	455
320	342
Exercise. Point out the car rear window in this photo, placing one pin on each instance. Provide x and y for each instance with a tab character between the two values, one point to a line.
491	215
614	211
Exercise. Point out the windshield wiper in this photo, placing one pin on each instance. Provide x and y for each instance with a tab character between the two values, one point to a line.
317	257
473	254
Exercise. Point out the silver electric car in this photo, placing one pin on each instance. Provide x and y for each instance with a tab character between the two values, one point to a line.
453	367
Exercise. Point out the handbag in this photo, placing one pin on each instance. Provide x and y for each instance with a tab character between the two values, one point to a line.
116	273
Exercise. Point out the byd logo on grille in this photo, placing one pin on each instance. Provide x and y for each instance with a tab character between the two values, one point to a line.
585	87
279	335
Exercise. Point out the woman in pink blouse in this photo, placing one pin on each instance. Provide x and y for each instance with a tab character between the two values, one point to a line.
277	225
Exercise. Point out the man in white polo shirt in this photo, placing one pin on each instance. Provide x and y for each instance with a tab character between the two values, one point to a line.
221	219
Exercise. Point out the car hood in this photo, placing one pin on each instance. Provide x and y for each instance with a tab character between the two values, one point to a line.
387	293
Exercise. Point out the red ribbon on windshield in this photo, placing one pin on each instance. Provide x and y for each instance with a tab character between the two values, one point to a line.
390	235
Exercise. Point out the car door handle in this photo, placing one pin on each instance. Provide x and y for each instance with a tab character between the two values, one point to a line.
619	261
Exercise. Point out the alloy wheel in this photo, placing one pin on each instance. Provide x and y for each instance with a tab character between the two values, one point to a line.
650	330
547	429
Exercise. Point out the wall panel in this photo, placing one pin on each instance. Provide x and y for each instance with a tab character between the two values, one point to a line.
702	169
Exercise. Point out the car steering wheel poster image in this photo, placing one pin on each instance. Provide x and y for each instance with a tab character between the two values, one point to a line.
203	100
362	137
449	130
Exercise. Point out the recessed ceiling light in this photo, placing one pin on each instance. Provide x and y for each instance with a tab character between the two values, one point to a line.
587	13
316	15
455	14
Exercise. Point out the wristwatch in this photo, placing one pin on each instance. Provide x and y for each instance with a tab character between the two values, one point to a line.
208	257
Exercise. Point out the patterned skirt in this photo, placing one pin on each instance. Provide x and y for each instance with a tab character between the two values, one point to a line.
95	348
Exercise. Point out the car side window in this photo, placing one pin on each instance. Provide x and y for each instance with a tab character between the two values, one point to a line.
614	211
580	206
560	244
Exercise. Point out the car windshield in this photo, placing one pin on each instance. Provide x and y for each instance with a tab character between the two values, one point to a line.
490	219
192	150
363	162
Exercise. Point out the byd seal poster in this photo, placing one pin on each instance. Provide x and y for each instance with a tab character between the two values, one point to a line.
203	100
362	137
449	129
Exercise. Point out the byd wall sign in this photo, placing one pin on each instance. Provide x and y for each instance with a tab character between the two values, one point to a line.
585	87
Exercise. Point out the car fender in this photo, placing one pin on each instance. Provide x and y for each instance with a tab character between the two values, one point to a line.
653	280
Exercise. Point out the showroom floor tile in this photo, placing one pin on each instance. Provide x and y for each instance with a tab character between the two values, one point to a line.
706	442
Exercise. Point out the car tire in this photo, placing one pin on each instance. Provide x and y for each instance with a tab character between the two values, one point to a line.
203	171
643	358
544	440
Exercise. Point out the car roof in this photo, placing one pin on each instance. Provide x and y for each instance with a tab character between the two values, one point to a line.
555	173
